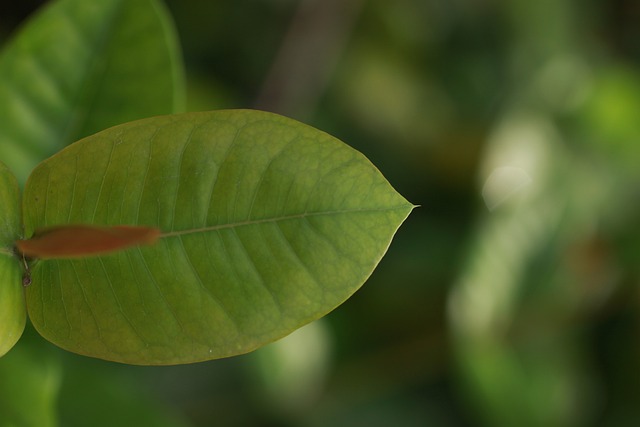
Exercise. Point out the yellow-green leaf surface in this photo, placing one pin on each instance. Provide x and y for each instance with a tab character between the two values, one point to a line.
267	224
12	308
78	67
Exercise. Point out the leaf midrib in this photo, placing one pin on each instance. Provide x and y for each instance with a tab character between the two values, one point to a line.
303	215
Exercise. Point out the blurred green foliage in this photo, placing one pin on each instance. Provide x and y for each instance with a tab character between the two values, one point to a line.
511	296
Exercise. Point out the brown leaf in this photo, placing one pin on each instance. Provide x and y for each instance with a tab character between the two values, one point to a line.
77	241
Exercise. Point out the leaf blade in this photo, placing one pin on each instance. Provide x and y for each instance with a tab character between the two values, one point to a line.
79	67
267	225
12	308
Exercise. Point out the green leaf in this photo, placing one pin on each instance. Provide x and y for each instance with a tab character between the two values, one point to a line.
267	225
29	387
78	67
116	397
12	308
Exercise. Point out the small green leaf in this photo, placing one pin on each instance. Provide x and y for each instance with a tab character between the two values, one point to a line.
78	67
267	224
12	308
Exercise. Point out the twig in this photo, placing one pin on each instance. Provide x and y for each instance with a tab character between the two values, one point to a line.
308	55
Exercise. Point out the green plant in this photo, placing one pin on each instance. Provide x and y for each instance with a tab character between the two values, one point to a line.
265	224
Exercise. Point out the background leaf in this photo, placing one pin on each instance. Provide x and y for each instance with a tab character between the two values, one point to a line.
114	397
31	377
12	309
528	252
78	67
268	224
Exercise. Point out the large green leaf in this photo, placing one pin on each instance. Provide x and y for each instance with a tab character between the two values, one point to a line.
267	225
80	66
12	308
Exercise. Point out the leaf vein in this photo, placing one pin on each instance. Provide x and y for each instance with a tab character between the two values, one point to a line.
297	256
244	223
180	167
118	302
208	291
84	296
159	289
256	271
104	177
